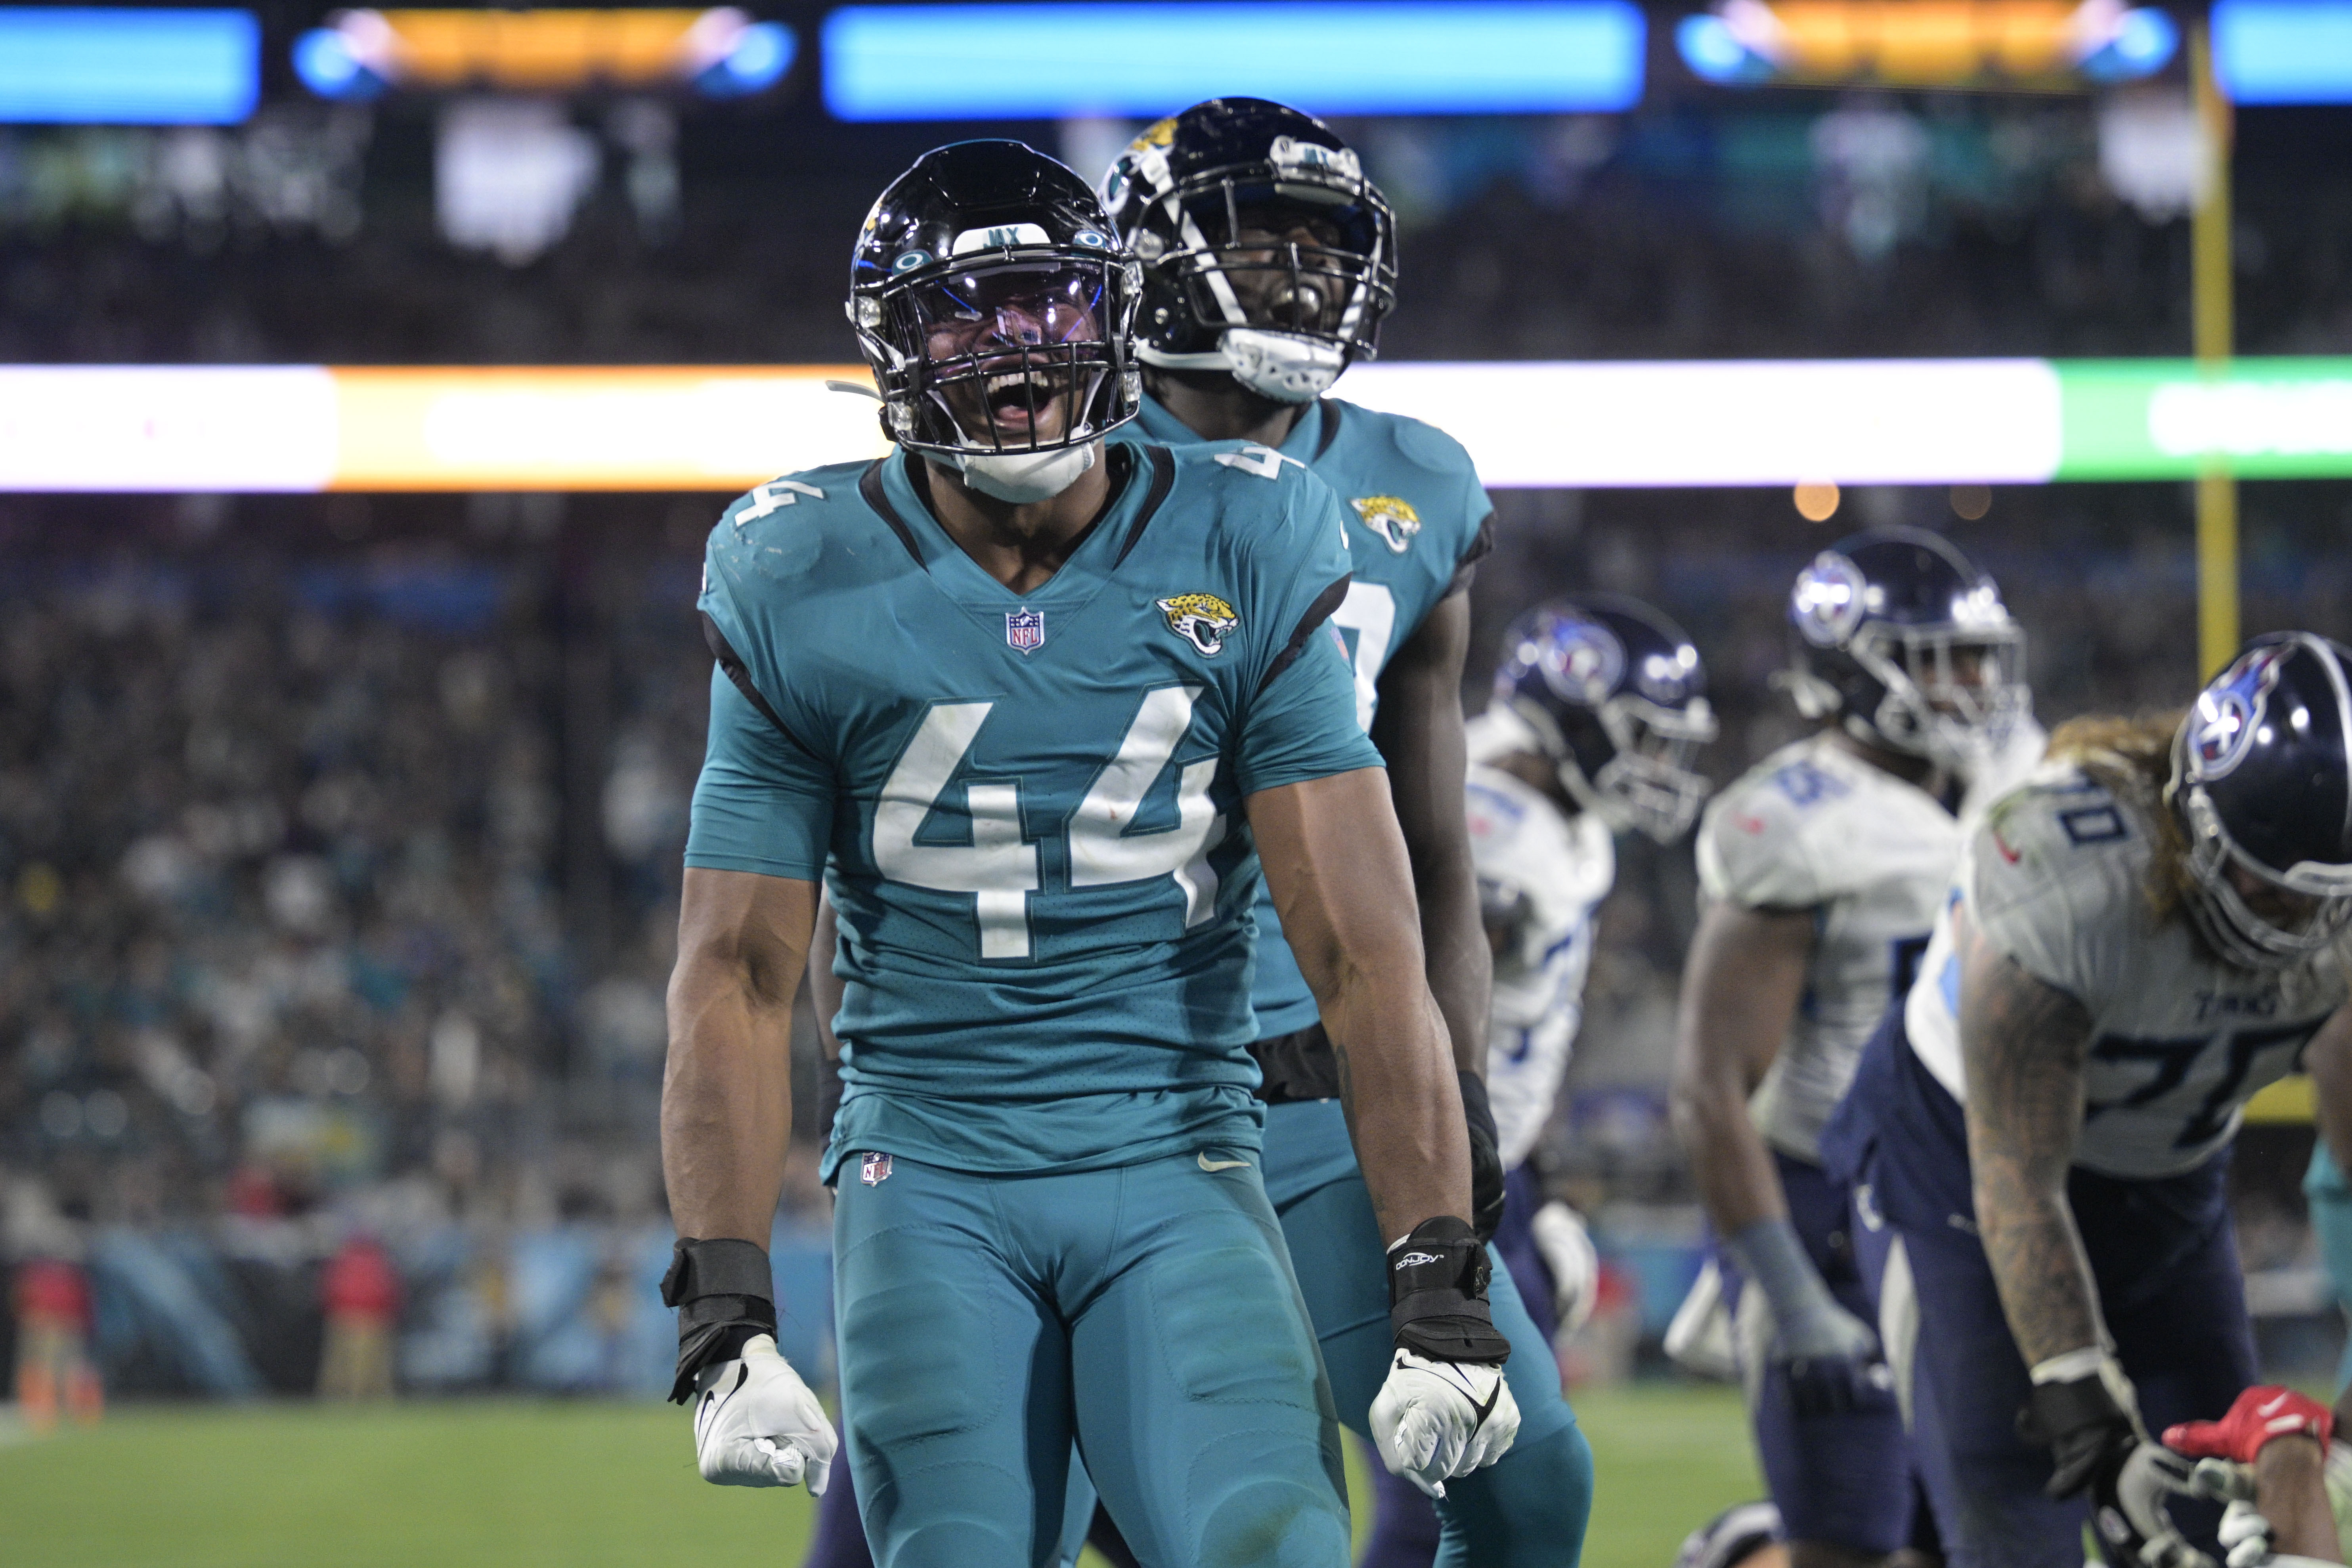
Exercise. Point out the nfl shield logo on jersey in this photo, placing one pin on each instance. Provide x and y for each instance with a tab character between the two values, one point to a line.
872	1169
1025	630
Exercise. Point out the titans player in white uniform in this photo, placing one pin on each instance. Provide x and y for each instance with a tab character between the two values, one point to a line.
1598	707
2136	942
1822	869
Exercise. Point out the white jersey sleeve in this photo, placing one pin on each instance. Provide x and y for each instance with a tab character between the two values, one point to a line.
2057	878
1815	828
1555	871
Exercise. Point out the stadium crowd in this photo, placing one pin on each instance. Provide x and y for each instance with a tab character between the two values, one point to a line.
299	854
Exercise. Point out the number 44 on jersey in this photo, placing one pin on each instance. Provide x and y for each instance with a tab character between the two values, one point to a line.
1001	867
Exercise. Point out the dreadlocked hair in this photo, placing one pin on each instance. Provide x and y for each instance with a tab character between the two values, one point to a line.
2132	758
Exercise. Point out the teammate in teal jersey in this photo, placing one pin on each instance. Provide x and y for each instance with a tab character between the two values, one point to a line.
1268	263
1034	709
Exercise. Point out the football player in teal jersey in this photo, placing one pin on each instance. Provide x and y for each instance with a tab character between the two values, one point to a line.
1033	708
1268	262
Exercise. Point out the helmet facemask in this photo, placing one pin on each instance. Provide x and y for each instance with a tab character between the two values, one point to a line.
1012	355
1286	266
1952	694
2230	925
1647	784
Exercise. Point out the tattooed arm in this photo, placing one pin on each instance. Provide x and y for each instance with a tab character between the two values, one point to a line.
2024	1044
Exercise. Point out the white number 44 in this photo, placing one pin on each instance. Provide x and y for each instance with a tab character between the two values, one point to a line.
1000	867
774	496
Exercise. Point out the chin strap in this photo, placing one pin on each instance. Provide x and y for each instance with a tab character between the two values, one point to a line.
1024	478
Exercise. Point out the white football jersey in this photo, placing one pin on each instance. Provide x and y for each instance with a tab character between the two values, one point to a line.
1813	826
2056	877
1563	866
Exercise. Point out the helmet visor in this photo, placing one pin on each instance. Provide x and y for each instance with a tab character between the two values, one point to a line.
1015	355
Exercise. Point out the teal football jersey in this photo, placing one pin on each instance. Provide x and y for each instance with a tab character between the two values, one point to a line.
1028	806
1417	519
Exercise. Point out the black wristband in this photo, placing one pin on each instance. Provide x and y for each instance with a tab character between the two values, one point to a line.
1487	1192
1437	1295
725	1293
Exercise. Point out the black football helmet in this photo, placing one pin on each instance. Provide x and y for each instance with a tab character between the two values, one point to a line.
1897	634
2261	776
994	305
1614	693
1266	252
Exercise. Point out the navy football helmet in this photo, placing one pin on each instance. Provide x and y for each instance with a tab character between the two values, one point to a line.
2261	776
1266	252
994	305
1899	635
1614	694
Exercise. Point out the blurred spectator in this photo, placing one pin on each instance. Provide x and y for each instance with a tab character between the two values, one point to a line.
361	1294
54	1370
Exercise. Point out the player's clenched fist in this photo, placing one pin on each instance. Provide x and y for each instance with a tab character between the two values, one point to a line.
757	1425
1433	1419
1445	1410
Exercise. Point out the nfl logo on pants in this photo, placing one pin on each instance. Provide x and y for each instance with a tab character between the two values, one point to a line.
1025	630
874	1169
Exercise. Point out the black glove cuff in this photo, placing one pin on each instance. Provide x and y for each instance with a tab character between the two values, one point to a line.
2086	1429
725	1294
2057	1411
1437	1295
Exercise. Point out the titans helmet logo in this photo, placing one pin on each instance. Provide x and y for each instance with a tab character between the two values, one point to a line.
2229	714
1583	661
1827	602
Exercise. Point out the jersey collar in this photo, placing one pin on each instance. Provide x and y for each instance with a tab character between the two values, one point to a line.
961	579
1305	441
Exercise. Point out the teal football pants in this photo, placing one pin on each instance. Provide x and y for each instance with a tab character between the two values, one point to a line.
1526	1510
1148	1311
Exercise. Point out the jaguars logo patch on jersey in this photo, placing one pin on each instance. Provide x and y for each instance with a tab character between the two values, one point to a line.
1391	517
1201	619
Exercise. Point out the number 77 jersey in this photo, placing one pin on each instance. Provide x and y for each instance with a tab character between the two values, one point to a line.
1027	806
2056	878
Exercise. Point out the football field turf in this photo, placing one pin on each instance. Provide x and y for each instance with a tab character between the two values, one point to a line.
505	1484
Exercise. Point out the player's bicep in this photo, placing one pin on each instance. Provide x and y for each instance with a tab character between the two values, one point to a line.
762	803
741	931
1335	862
2023	1045
1418	729
1741	985
1301	723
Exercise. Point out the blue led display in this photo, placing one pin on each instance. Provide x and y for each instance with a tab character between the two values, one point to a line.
2265	51
1058	61
76	65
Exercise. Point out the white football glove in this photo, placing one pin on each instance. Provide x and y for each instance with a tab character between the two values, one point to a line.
1432	1420
757	1425
1575	1266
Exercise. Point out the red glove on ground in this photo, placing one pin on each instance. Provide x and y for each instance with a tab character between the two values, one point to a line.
2261	1414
